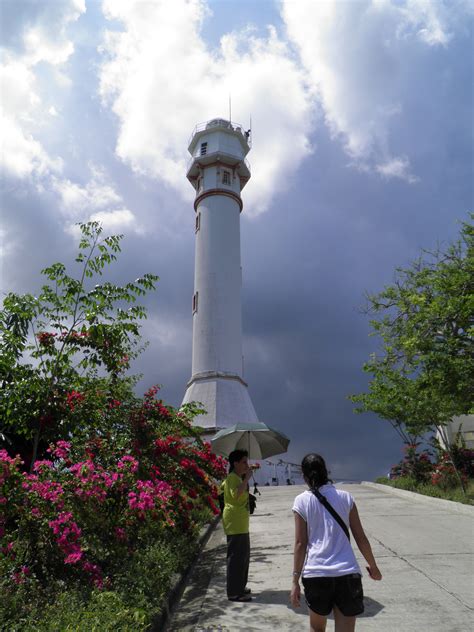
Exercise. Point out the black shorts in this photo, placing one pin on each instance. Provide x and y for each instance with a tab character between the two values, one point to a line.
345	592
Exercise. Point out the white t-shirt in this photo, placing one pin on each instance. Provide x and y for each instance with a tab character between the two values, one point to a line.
329	552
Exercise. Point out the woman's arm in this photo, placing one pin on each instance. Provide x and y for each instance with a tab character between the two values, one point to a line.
363	543
245	481
299	554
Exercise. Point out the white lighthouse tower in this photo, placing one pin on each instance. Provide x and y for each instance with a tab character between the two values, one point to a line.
218	171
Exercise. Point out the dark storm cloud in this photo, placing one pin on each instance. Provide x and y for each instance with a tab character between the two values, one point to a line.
307	265
307	262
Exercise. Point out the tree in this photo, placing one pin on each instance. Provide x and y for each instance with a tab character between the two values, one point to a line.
67	346
424	374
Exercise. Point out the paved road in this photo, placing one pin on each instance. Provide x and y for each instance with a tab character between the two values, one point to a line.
424	550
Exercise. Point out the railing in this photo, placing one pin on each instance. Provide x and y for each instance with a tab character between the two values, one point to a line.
236	127
222	153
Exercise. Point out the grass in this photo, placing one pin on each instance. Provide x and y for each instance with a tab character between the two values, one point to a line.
131	604
410	484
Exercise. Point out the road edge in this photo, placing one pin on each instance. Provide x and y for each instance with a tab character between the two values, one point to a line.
449	505
161	621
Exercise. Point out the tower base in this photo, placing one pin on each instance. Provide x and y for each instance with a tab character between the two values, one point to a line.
225	398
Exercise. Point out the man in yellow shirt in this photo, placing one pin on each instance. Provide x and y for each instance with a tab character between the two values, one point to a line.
235	519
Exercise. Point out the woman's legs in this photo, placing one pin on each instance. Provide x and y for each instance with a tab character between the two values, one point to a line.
246	562
317	623
343	623
238	555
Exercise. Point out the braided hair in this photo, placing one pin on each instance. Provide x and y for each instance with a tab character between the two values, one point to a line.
314	470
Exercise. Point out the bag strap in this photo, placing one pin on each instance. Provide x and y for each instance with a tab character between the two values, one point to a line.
323	500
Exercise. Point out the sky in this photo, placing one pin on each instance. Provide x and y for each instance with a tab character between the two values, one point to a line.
362	156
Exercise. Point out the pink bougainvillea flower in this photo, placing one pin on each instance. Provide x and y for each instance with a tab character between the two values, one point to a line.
60	449
74	398
40	465
73	558
120	534
129	462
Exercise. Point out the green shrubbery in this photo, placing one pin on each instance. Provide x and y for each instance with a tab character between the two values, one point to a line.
101	611
432	472
133	602
409	484
102	493
422	373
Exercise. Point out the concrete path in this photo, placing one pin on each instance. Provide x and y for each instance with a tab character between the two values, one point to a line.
425	553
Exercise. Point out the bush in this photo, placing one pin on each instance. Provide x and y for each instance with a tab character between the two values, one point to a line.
64	353
415	465
103	611
405	482
88	508
107	492
455	494
463	459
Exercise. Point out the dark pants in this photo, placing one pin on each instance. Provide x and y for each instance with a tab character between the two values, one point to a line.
238	559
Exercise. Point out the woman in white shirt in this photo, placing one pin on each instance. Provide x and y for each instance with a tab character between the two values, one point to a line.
323	556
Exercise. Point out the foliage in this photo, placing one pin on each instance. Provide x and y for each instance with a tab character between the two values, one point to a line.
463	459
67	346
415	465
424	374
455	494
434	472
116	488
72	611
87	508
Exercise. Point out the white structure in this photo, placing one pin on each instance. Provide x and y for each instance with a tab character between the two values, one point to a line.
218	171
464	425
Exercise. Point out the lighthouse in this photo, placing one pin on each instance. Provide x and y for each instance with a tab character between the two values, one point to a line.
218	171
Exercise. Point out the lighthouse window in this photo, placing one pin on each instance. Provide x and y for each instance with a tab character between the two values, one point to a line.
195	302
203	149
198	221
226	177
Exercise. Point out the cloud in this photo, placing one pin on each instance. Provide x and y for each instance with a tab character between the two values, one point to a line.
37	30
94	195
397	168
361	58
160	79
22	155
97	201
36	33
119	219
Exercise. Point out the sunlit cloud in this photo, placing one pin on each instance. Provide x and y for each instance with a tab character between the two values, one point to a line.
360	57
159	89
42	37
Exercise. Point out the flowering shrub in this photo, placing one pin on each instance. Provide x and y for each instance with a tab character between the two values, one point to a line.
92	504
464	460
416	465
444	474
75	516
54	346
436	472
102	493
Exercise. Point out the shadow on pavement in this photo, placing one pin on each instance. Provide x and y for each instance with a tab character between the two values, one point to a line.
279	597
372	608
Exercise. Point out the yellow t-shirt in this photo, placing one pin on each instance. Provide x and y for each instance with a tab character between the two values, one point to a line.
235	517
